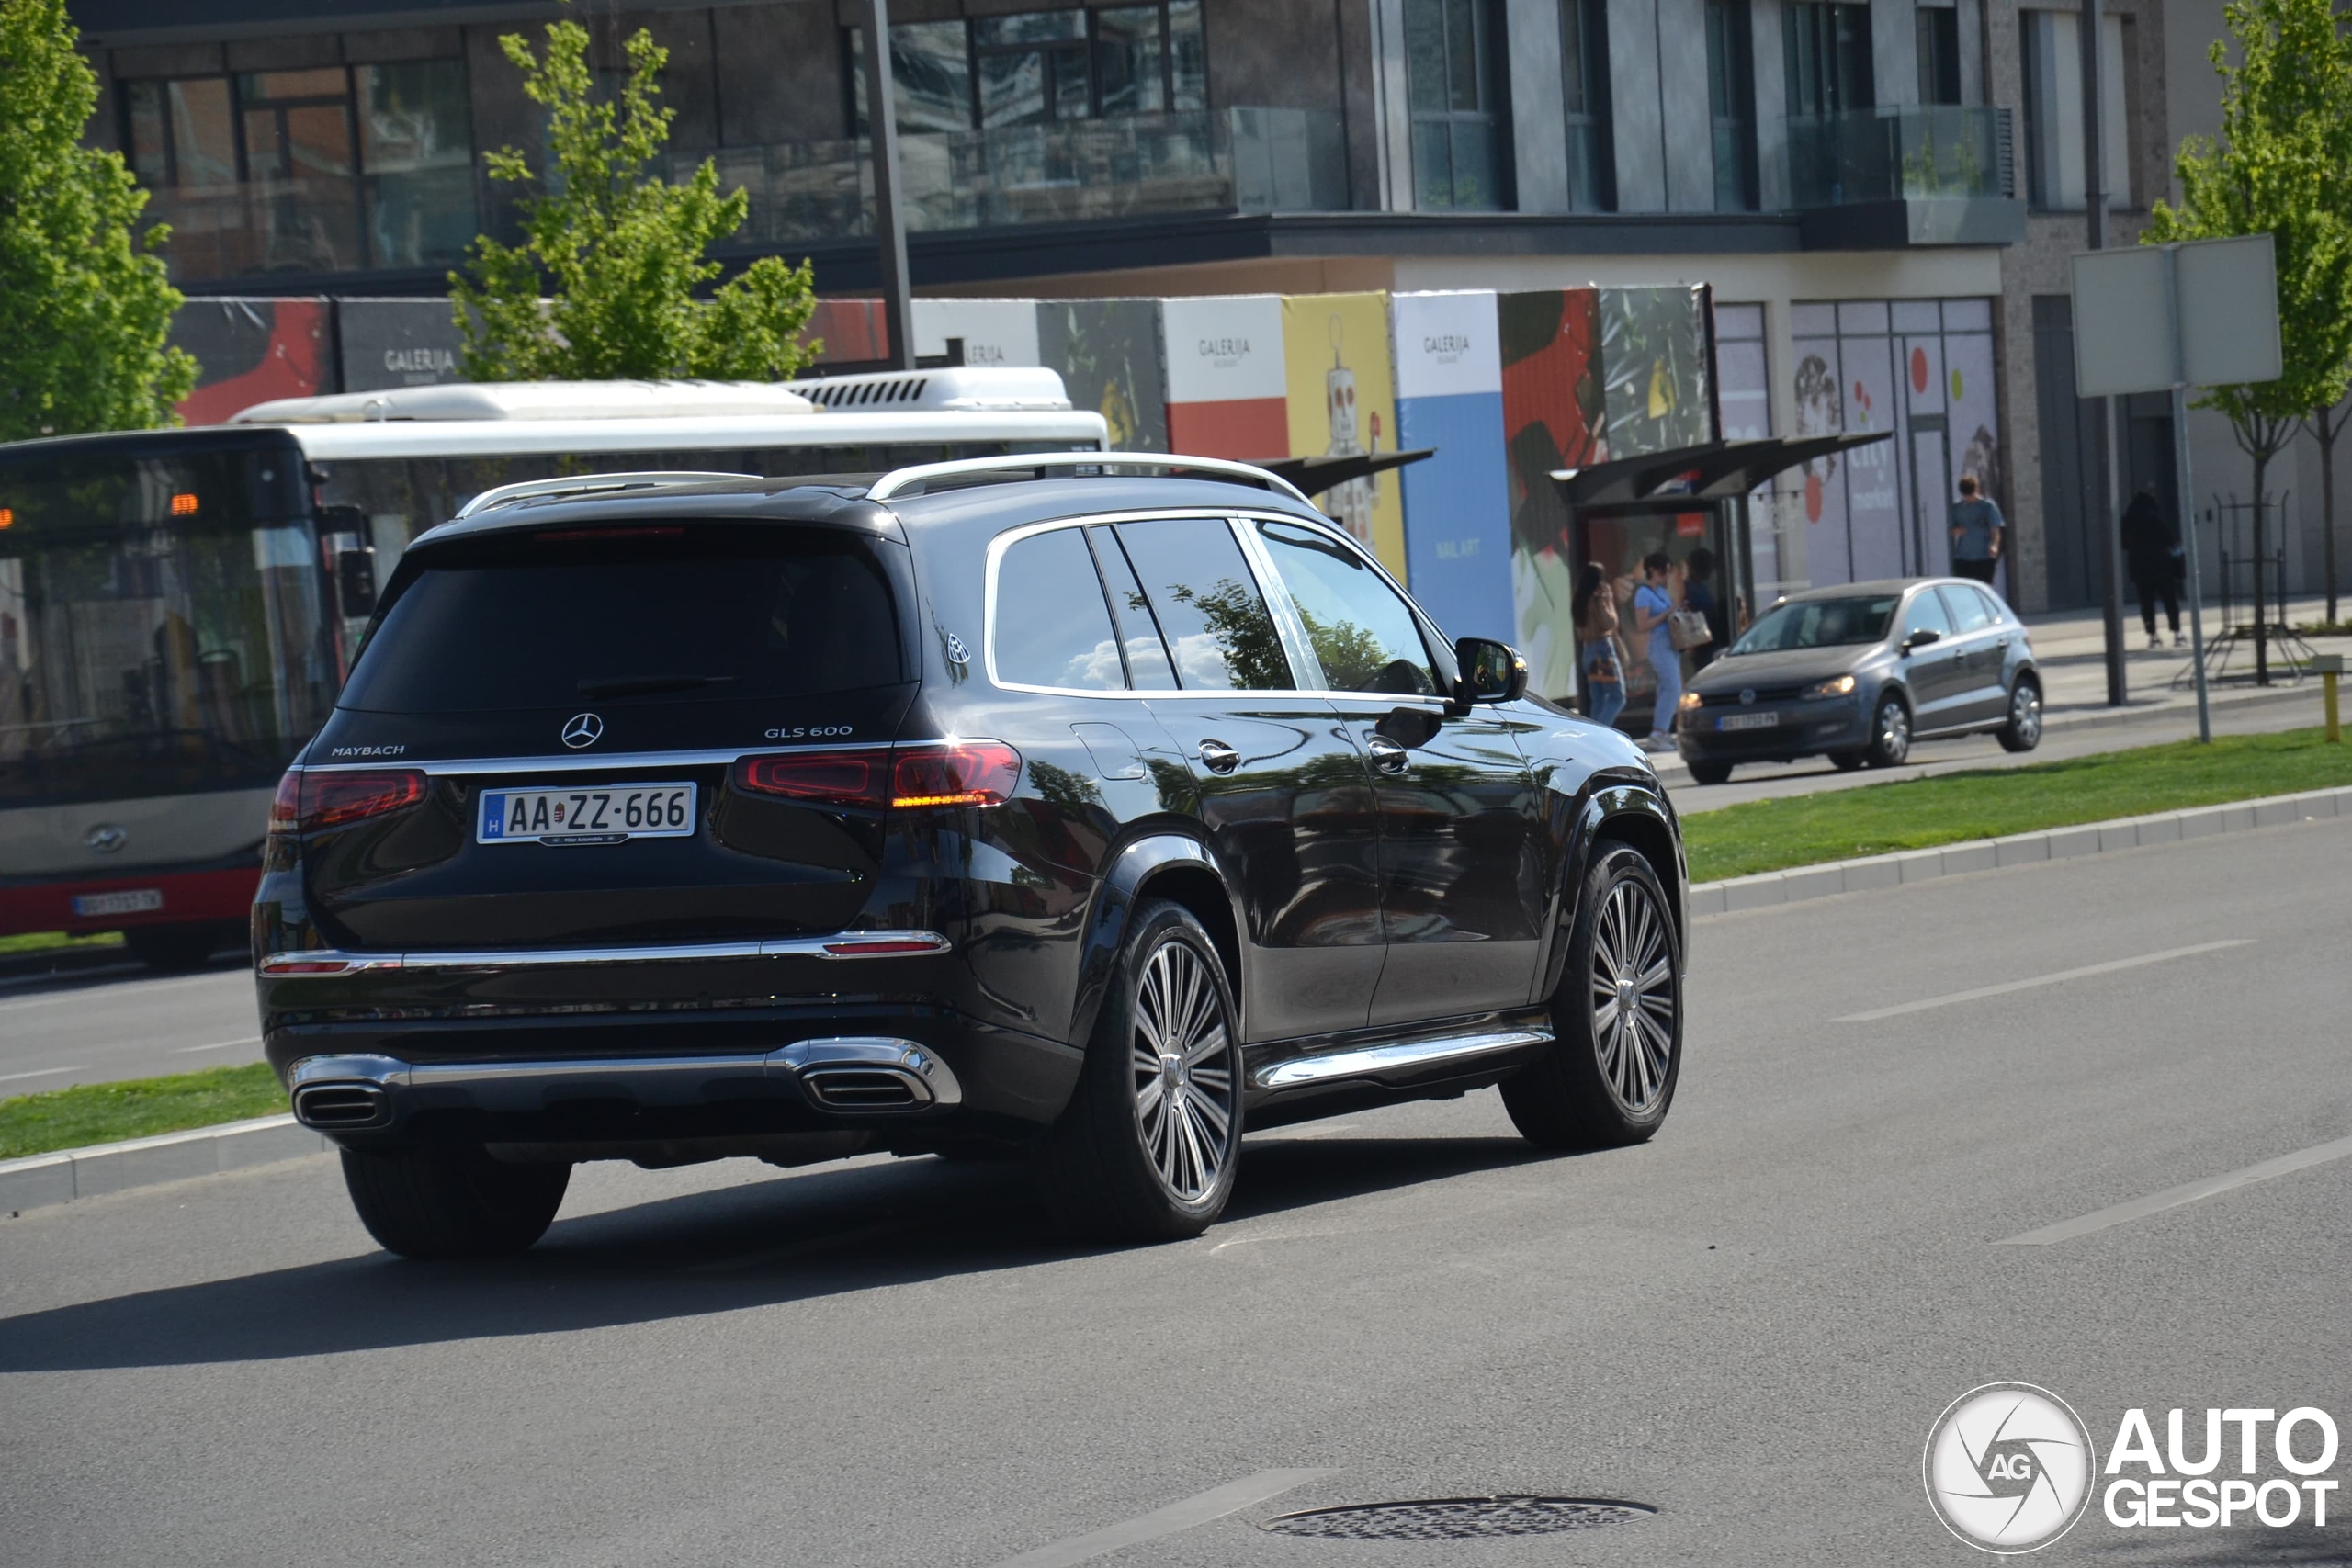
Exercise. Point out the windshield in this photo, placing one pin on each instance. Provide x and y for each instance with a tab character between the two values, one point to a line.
676	613
160	627
1820	623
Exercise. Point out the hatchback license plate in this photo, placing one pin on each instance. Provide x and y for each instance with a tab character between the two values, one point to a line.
130	901
1748	721
599	813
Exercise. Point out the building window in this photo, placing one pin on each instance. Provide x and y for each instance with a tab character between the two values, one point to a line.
324	170
1938	54
2054	110
1584	90
1453	78
1731	104
1038	68
1829	65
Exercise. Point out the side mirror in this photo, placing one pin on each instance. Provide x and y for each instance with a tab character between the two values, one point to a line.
1491	671
1921	638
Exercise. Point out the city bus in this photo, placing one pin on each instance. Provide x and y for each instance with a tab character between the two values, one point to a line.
178	607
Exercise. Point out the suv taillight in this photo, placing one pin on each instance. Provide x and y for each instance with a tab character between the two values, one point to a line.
963	772
307	802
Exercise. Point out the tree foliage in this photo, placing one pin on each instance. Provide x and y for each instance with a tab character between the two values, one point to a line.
621	251
2280	168
85	305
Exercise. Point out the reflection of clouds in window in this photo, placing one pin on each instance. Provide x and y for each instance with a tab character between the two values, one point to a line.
1094	670
1200	662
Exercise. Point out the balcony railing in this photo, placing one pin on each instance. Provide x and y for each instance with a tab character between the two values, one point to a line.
1900	153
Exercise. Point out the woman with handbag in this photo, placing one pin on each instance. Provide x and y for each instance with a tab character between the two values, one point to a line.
1661	622
1594	611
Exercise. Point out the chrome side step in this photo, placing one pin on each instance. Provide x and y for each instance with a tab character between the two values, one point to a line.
1405	1058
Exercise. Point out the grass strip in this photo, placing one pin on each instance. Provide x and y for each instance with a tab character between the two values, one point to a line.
109	1113
1917	814
42	942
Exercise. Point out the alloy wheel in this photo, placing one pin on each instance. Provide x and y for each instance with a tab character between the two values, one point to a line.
1894	731
1181	1058
1632	997
2025	712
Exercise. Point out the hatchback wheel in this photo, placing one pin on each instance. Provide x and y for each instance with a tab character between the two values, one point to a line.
1889	733
1147	1147
452	1201
1709	773
1617	1054
2023	731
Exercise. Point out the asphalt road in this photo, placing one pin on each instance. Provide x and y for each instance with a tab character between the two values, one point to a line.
1748	1324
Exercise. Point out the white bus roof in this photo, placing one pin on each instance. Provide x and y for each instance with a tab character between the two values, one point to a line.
499	438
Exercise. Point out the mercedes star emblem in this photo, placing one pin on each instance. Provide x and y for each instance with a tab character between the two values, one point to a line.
106	838
1747	696
584	729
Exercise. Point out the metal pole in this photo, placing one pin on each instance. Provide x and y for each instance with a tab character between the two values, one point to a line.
2110	549
2189	546
889	228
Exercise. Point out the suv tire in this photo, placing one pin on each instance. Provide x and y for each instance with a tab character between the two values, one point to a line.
1602	1085
1147	1147
452	1201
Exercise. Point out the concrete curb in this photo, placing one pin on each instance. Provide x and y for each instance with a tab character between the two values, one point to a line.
1799	883
39	1181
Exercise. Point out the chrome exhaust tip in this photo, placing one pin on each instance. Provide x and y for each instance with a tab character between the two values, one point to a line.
341	1107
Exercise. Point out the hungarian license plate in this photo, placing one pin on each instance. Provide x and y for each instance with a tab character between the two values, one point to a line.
128	901
590	814
1748	721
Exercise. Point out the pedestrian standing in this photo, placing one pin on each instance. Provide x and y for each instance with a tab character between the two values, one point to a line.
1699	593
2152	555
1654	603
1979	532
1595	609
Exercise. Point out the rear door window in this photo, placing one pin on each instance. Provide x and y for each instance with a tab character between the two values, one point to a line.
668	614
1206	602
1051	627
1148	669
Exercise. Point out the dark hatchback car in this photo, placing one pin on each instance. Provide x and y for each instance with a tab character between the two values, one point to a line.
1858	673
994	809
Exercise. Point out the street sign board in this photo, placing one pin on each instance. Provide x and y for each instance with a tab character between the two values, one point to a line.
2148	318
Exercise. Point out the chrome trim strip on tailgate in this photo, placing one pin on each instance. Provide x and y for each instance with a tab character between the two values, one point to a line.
1389	1061
839	945
592	763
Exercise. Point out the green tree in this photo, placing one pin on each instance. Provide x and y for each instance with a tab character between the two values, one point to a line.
85	305
2279	169
621	251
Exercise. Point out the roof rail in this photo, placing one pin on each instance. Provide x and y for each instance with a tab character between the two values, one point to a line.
588	484
916	479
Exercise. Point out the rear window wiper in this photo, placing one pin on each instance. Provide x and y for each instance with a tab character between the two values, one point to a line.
646	685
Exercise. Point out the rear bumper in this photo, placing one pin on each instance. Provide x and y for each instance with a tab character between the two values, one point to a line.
841	1076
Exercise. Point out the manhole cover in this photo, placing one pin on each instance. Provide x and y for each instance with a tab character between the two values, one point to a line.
1458	1519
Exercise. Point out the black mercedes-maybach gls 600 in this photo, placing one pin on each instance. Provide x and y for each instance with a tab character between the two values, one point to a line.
1016	806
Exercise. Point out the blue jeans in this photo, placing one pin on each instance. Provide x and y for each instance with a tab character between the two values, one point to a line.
1670	694
1606	698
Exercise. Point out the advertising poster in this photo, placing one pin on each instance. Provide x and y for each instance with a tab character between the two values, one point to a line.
1107	351
1972	417
249	351
397	343
1927	488
1820	411
1877	521
1554	416
1653	344
847	331
1457	503
995	332
1227	394
1342	403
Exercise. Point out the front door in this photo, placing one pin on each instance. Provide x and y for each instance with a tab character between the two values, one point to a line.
1459	846
1274	778
1937	672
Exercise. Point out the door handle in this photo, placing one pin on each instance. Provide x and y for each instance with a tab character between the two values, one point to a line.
1219	758
1387	755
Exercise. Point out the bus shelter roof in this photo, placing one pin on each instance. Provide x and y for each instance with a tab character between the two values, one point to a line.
1689	475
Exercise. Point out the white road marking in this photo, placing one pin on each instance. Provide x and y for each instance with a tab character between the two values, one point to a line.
42	1073
2187	1193
1166	1521
2007	986
216	1045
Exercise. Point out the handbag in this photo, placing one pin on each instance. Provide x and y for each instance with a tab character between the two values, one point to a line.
1687	629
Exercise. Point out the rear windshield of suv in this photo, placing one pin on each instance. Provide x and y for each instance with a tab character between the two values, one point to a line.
667	614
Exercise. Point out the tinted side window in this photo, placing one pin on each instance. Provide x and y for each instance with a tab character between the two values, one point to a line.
1968	611
1926	613
1148	666
1207	603
1051	627
1362	634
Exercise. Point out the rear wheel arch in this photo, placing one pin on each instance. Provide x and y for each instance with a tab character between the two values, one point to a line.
1164	864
